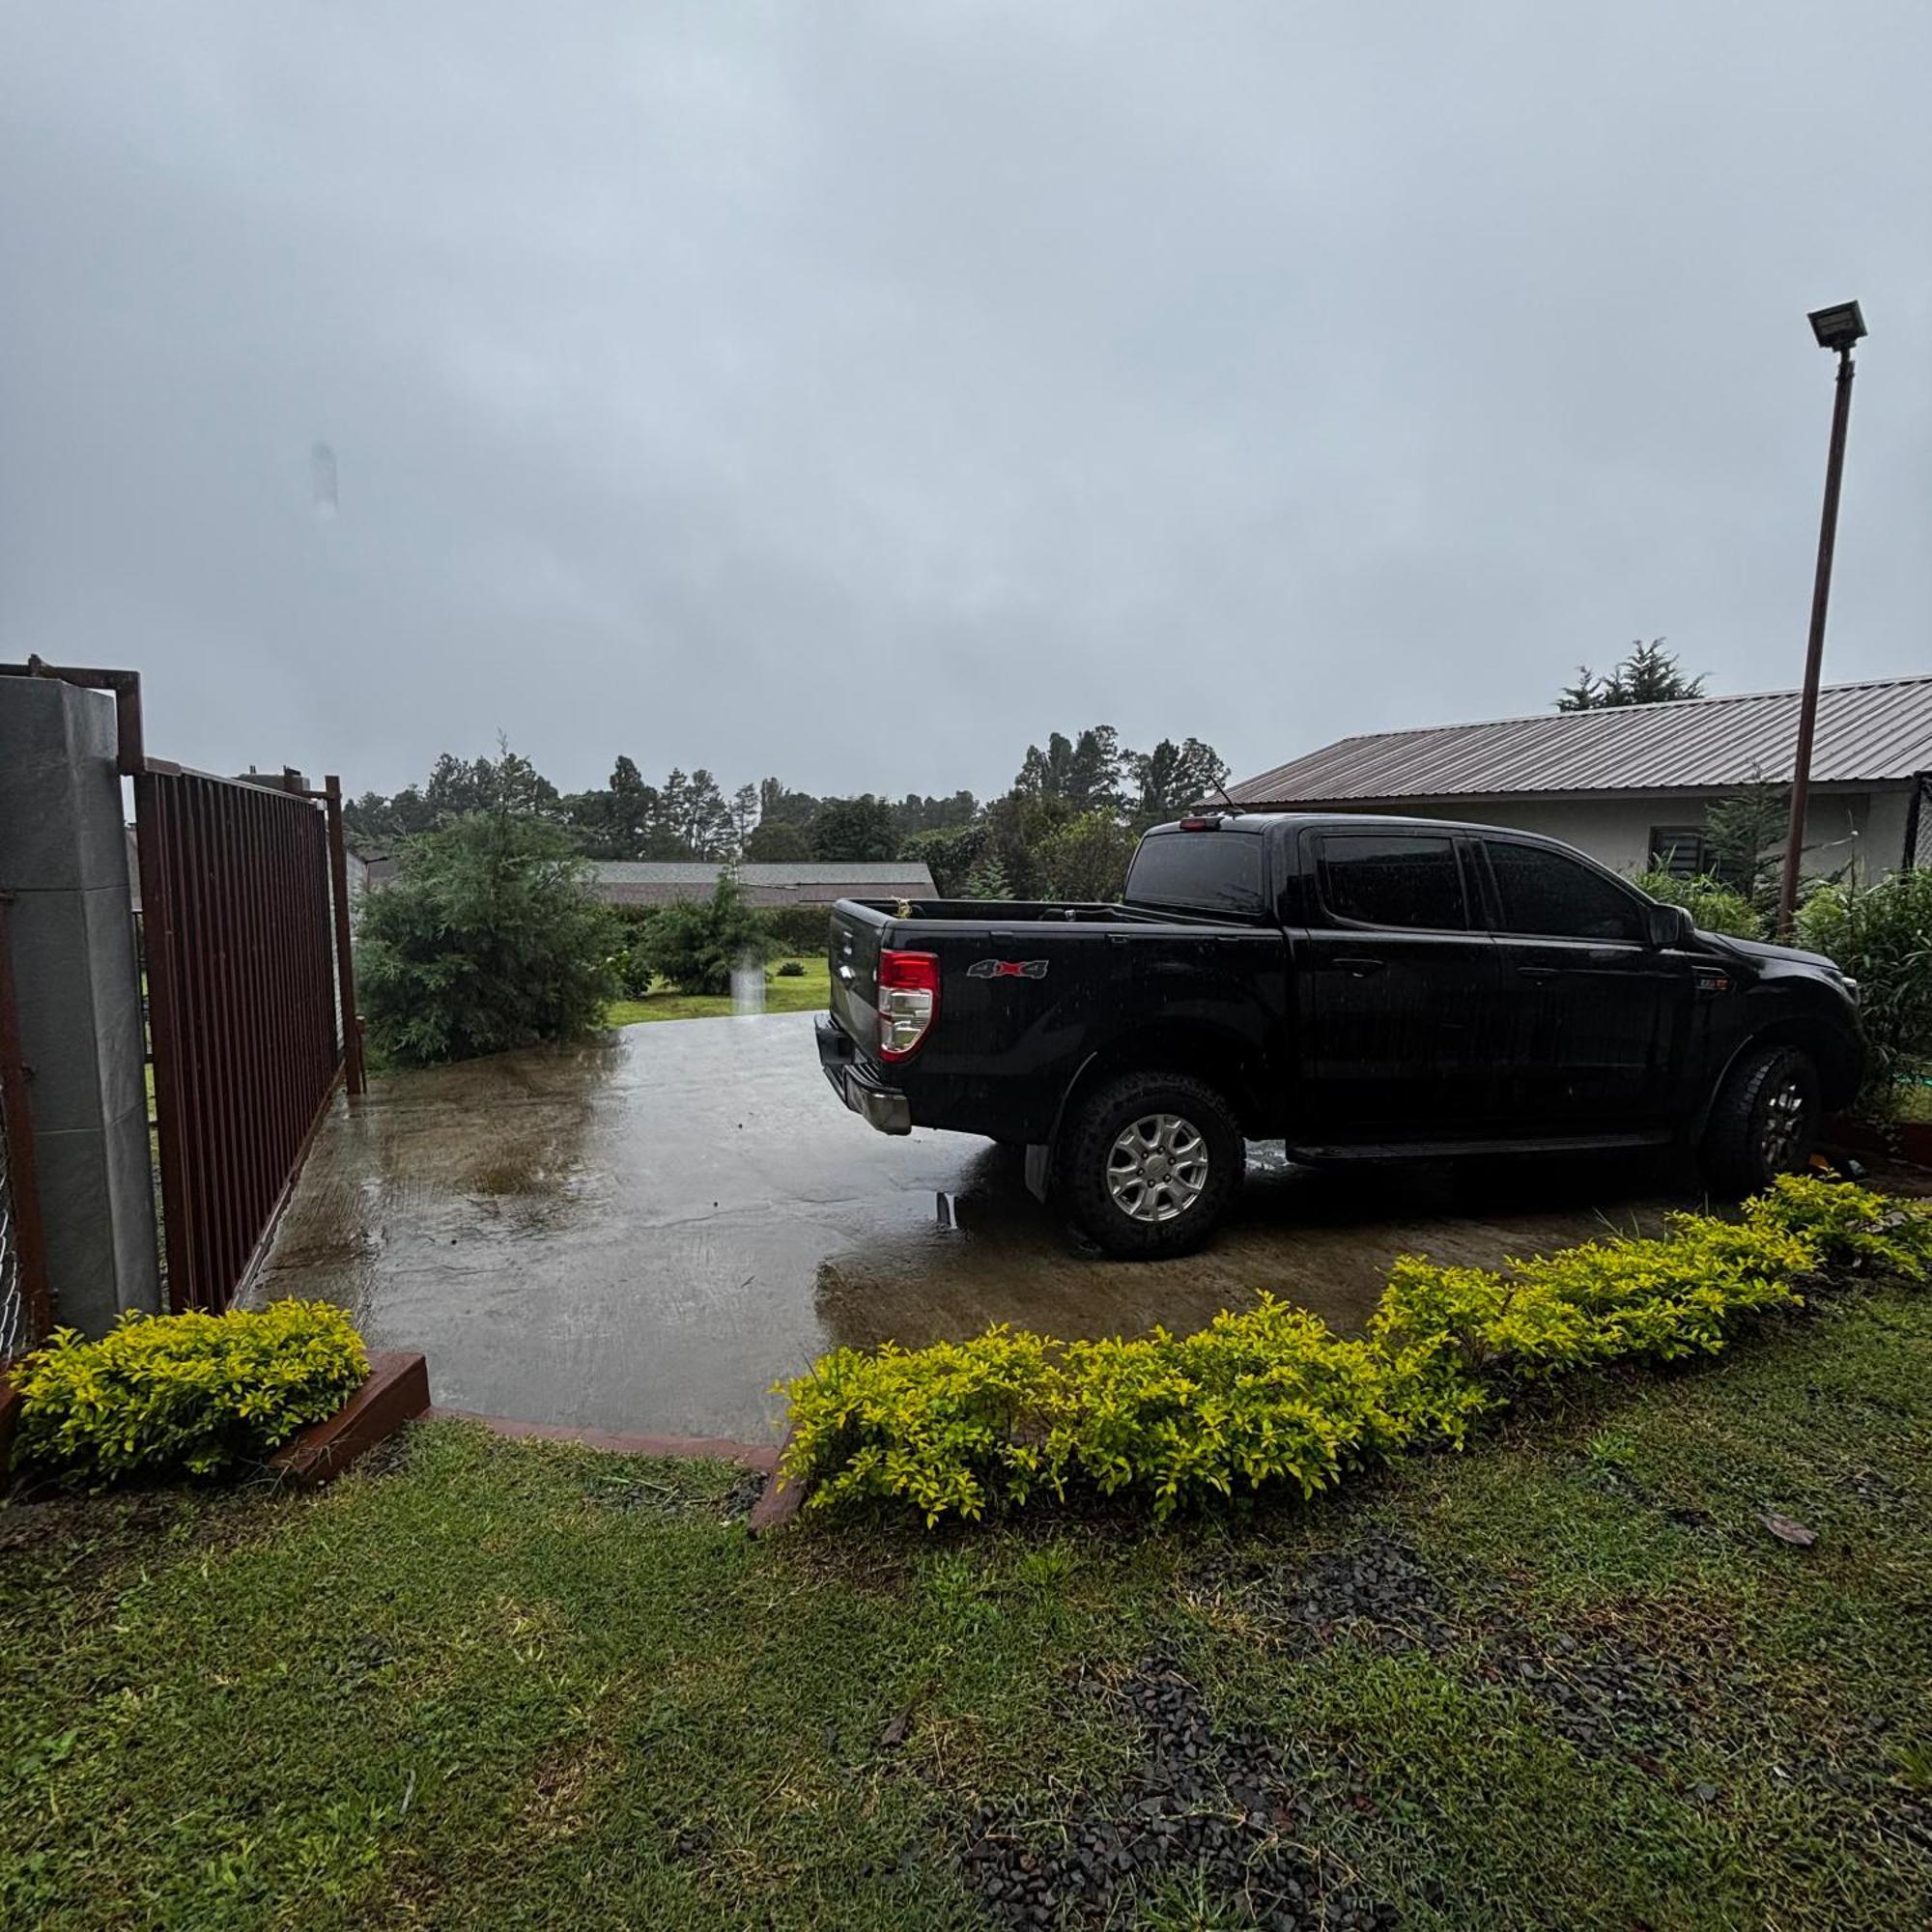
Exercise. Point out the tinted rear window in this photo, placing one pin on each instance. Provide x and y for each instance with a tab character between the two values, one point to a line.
1221	872
1407	881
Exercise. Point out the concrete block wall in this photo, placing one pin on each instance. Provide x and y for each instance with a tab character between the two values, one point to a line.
64	859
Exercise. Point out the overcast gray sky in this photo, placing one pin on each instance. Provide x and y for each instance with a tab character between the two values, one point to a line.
855	393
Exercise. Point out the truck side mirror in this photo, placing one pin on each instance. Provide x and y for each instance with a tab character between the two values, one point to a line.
1668	926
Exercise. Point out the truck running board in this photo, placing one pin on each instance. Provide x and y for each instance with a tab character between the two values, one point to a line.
1455	1150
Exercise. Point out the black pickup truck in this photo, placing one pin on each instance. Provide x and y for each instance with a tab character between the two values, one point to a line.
1360	988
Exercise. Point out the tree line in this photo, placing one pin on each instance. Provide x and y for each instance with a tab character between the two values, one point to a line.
1066	827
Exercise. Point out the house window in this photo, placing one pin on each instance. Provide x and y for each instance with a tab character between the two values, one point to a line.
1681	850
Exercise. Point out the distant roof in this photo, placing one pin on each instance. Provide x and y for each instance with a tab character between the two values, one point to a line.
1866	732
815	872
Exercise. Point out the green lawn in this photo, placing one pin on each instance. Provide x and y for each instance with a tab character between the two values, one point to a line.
1568	1678
807	993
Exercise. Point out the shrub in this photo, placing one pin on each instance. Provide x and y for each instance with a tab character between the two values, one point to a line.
487	939
631	969
696	943
949	853
1882	936
797	929
1087	859
791	969
1713	905
1269	1397
193	1392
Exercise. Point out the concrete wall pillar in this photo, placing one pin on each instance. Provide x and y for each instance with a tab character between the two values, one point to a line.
64	858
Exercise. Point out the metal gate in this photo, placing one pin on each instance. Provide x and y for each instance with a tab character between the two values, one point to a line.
1918	824
240	943
250	994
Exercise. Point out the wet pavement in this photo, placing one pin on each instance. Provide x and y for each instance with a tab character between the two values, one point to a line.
643	1234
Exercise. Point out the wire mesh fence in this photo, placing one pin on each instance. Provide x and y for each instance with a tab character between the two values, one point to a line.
1918	824
15	1338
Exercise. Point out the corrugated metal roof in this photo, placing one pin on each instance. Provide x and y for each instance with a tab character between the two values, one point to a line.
1866	732
829	872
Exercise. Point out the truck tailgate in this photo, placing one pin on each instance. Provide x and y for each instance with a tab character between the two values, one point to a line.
854	963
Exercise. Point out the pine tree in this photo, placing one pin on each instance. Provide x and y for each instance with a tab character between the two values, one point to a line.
987	880
1746	833
1649	675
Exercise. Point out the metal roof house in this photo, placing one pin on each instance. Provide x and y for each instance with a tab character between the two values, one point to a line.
637	882
1630	786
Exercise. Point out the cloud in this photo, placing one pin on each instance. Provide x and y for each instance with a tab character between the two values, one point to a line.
857	394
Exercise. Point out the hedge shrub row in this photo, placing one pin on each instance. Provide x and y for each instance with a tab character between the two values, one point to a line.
803	929
195	1392
1269	1397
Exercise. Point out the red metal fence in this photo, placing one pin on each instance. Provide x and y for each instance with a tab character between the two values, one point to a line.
240	938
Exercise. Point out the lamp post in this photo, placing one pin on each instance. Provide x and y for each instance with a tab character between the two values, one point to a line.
1837	328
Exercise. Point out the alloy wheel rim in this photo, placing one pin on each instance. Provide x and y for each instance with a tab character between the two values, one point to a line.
1157	1168
1783	1132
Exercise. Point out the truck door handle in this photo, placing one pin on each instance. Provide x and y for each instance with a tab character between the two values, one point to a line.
1360	969
1539	972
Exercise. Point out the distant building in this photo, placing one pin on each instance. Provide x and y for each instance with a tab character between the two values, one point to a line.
1630	786
655	882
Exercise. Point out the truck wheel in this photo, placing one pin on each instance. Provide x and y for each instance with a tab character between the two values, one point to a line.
1763	1119
1149	1163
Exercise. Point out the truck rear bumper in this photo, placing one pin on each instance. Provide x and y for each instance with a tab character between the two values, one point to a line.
881	1107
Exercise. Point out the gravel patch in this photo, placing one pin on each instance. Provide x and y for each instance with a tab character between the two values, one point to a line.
1601	1694
1377	1591
1230	1813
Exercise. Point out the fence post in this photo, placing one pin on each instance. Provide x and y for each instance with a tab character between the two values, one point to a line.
345	960
78	996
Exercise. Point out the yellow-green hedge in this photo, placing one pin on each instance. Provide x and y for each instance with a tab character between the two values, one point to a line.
1270	1397
193	1392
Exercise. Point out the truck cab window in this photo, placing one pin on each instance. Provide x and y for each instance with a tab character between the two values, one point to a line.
1548	896
1219	872
1409	882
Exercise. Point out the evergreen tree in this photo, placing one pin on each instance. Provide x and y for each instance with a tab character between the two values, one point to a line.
987	880
1746	833
1649	675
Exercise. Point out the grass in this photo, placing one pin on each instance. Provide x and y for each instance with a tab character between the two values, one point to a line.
522	1685
805	993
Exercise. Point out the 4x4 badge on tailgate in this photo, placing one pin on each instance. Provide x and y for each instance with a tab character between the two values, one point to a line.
1007	969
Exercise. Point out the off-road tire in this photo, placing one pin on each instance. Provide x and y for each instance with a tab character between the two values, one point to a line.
1088	1151
1764	1121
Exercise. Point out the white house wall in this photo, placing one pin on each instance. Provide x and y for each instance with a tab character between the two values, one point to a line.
1841	826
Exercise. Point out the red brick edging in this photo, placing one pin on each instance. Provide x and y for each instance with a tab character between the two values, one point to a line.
396	1392
776	1504
693	1448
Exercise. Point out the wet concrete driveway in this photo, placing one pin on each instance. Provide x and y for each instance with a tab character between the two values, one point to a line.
645	1233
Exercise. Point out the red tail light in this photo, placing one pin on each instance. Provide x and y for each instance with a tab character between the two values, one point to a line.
908	1001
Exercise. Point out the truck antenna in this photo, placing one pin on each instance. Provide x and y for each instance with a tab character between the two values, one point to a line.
1231	806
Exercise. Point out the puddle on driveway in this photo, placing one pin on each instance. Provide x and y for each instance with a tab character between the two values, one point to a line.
645	1232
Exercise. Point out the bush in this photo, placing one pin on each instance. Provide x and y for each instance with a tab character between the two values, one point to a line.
195	1392
486	940
949	853
631	969
1881	937
1086	860
696	943
1269	1397
797	929
791	969
1713	905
